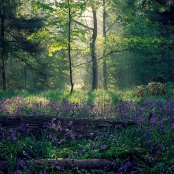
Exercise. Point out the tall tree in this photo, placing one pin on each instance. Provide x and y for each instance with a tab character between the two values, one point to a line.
104	51
15	30
63	34
93	38
93	51
2	48
161	13
69	45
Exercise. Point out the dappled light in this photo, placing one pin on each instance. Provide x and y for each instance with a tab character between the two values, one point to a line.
86	86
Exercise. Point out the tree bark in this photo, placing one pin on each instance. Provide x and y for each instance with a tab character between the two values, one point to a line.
93	49
61	164
25	77
104	58
3	47
93	53
79	127
80	164
69	46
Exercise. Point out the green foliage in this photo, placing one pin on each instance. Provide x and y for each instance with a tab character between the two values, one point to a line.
140	91
146	41
138	46
152	89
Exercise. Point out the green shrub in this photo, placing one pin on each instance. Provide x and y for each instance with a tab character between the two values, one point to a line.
152	89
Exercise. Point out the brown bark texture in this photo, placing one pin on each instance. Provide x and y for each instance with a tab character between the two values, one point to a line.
84	127
66	163
2	64
93	53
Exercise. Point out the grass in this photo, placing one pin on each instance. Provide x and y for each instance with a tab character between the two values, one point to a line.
77	96
152	135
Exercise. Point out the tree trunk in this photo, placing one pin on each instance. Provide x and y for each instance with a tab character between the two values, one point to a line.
104	59
82	127
3	73
60	164
93	53
80	164
3	48
69	46
25	77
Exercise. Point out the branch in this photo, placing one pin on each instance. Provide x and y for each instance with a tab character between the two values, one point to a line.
112	24
85	26
111	52
41	73
74	66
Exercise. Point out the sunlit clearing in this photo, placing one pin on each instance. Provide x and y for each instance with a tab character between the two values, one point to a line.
37	99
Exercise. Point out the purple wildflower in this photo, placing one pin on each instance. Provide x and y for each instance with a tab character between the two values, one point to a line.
149	141
18	172
125	168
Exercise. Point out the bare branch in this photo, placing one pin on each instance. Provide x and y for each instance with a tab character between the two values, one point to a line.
111	52
31	67
112	24
85	26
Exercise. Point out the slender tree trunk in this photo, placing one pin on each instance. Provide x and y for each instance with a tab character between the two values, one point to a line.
3	49
169	69
25	77
3	74
93	53
104	60
69	46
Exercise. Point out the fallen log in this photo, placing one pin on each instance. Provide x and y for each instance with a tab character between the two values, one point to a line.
84	127
65	163
61	164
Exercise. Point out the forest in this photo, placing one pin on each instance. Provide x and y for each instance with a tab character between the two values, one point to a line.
85	44
86	86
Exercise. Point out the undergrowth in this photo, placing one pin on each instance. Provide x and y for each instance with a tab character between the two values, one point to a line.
147	147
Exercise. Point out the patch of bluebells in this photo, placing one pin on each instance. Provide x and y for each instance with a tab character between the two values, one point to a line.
123	110
161	110
155	117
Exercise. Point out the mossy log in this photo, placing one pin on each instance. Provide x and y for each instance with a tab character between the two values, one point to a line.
61	164
84	127
65	163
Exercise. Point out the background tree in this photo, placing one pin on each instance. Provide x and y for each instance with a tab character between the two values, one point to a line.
104	35
69	44
64	36
3	45
15	30
92	44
